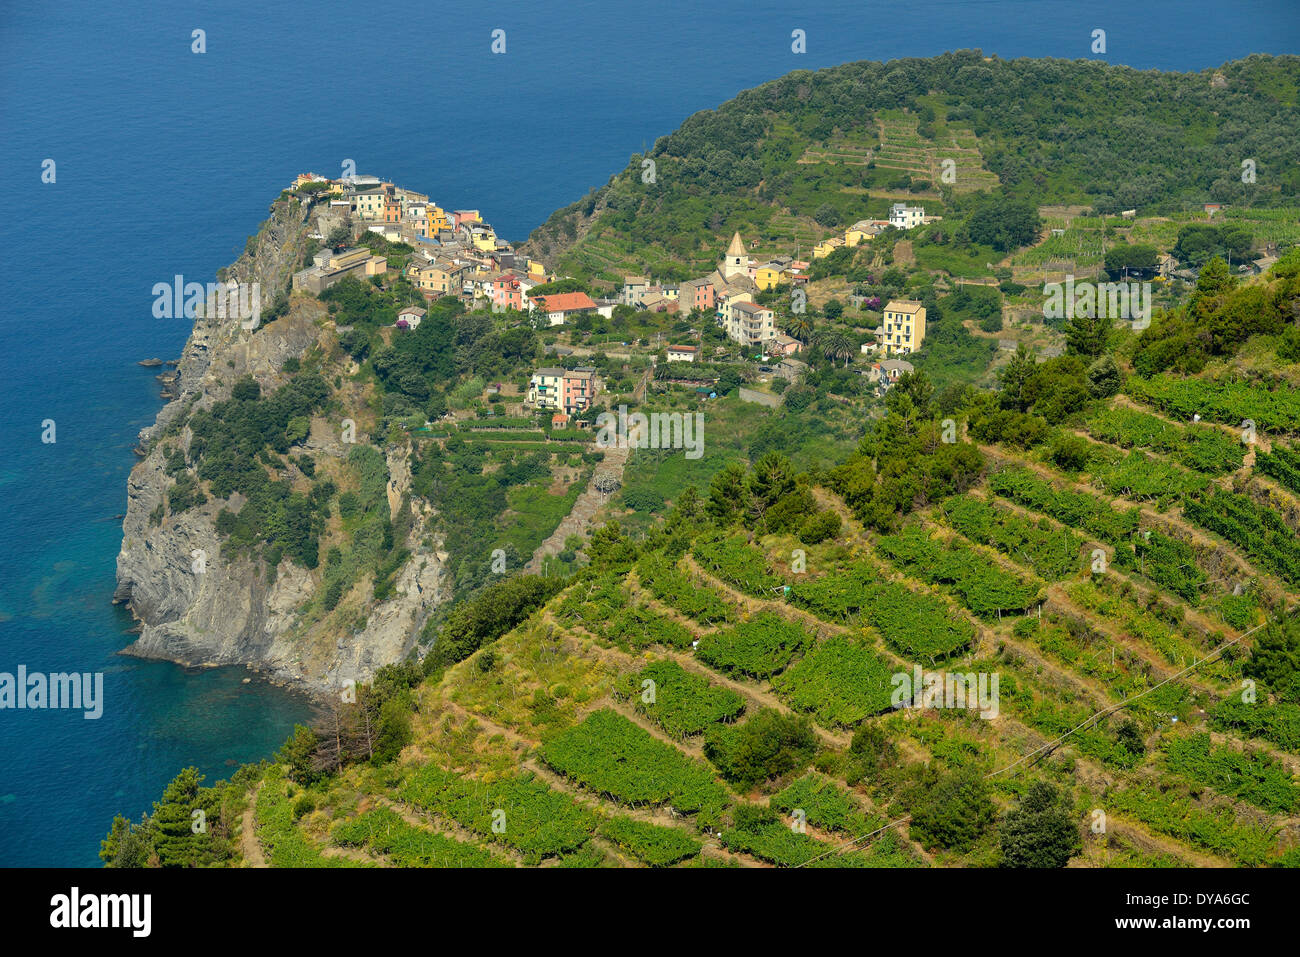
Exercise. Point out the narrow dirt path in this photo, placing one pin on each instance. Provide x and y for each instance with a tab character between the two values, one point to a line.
249	845
590	500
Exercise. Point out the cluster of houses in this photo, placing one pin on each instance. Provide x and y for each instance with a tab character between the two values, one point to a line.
729	293
456	253
901	216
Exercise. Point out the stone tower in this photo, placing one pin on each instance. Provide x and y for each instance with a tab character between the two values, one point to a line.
736	261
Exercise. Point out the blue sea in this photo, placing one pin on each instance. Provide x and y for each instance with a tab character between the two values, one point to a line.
165	160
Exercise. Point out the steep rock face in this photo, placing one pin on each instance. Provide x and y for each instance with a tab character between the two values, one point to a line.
198	603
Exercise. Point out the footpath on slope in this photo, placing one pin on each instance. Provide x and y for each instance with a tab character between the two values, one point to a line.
607	475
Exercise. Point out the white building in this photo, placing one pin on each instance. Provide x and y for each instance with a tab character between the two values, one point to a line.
903	216
749	323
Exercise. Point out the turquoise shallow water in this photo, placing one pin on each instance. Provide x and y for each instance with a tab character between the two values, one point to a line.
166	160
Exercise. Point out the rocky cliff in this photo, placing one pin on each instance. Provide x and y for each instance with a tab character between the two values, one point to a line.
200	602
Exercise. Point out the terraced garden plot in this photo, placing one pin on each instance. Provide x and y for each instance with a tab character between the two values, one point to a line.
639	627
904	149
1258	531
758	648
679	701
848	152
1098	742
520	811
1078	510
1275	225
825	804
839	682
1146	478
735	562
1103	596
1084	248
613	757
769	838
919	627
1217	829
651	844
1050	551
1170	563
1282	464
1278	724
593	600
383	832
1253	777
1230	402
1088	653
1199	447
982	586
675	588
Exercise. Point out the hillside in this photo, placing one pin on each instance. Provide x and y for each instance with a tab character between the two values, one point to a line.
1092	549
722	692
553	731
788	161
228	512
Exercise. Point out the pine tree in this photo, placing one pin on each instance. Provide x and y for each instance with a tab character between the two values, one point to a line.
728	495
1040	831
1087	335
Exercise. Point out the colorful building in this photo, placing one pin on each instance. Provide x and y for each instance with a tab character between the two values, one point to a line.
903	328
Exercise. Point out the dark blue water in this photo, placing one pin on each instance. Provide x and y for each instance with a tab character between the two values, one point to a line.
167	160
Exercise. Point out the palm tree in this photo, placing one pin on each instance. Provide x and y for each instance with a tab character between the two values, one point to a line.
800	326
838	345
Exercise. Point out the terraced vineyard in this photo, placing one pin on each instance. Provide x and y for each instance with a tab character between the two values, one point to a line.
701	701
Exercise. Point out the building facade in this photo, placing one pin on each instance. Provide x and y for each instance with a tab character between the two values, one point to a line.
903	327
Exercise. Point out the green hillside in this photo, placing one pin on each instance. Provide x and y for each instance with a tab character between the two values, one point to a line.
1095	547
795	157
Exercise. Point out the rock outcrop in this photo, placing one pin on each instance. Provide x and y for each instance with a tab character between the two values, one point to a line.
199	602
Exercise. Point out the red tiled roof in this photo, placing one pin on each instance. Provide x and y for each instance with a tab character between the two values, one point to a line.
567	301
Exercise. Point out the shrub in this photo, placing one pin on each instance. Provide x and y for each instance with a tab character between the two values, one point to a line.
767	746
1040	831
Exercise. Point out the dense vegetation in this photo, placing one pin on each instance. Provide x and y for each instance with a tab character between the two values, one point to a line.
714	677
1058	131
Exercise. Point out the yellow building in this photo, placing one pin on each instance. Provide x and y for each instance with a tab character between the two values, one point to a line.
438	220
767	277
825	248
485	238
903	328
346	258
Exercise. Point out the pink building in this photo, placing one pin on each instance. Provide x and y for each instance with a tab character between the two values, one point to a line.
696	294
508	292
578	388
